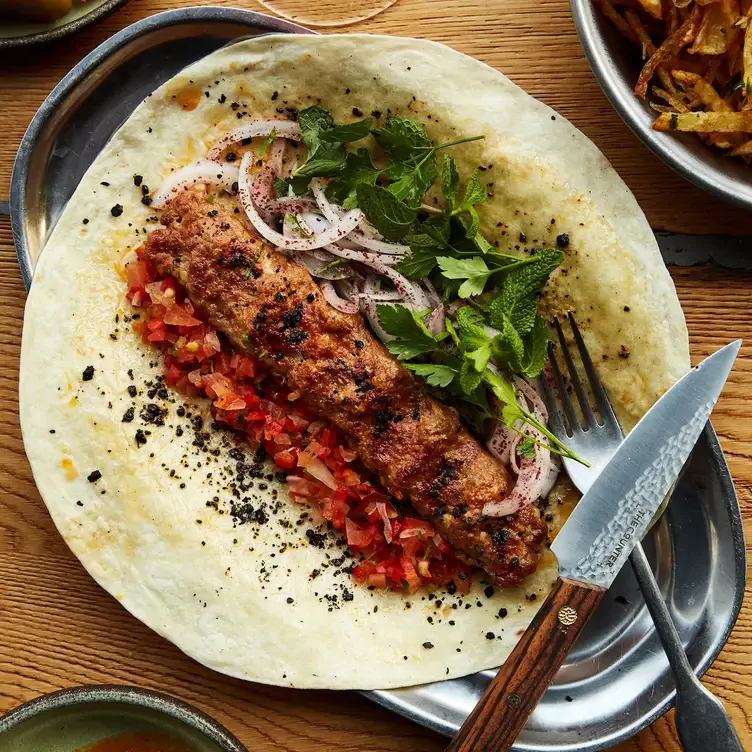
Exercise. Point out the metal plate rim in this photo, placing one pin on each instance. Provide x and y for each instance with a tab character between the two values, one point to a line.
61	31
83	68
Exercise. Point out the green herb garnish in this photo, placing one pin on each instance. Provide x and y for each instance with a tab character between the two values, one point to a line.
526	448
268	141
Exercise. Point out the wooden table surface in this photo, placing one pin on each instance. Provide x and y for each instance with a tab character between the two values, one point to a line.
58	628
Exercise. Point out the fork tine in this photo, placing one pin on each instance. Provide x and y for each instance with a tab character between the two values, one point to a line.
555	421
587	411
566	402
599	393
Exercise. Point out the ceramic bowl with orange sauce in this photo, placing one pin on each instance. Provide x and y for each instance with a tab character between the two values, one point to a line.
111	718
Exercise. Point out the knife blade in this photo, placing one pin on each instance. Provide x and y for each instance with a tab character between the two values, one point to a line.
593	545
599	535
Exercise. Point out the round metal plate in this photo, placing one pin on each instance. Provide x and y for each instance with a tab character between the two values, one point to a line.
616	65
617	679
24	33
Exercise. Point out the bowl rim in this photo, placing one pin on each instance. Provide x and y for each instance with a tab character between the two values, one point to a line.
48	35
89	694
666	146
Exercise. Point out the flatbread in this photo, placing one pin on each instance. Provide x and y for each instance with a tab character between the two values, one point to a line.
248	590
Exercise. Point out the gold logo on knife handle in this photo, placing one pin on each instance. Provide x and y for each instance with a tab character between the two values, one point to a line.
567	616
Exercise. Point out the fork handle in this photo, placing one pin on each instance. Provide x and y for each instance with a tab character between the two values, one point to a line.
514	692
700	718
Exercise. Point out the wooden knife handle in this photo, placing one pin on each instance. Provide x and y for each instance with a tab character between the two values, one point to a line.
513	694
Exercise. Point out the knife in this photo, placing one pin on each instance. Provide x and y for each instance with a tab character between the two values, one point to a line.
592	547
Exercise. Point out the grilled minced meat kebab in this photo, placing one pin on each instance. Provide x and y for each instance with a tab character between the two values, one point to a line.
265	302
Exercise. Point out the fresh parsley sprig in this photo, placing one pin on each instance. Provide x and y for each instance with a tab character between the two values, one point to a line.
353	179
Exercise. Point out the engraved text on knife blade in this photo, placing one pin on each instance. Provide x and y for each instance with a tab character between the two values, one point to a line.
636	508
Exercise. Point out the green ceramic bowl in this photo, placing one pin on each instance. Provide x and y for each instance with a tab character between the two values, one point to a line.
15	33
73	718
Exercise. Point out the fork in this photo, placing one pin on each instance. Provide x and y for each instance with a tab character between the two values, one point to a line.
700	718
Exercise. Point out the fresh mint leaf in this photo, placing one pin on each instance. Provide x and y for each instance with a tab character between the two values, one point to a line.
410	180
326	141
412	336
450	183
474	226
480	357
438	228
421	241
470	378
268	141
470	329
482	244
358	168
312	121
536	349
417	264
390	216
518	300
452	332
401	137
507	346
347	132
474	194
473	271
326	161
435	375
299	185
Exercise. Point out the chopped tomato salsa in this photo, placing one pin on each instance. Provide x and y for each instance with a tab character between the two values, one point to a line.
397	550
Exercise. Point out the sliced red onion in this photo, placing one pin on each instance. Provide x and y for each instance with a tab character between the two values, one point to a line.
362	257
549	480
314	223
420	297
203	171
345	225
318	267
378	264
500	443
334	300
378	246
532	396
384	296
326	207
276	158
348	290
253	128
436	322
535	476
433	294
368	307
290	205
262	187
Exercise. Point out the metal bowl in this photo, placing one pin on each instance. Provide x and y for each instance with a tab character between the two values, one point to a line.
81	716
616	65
